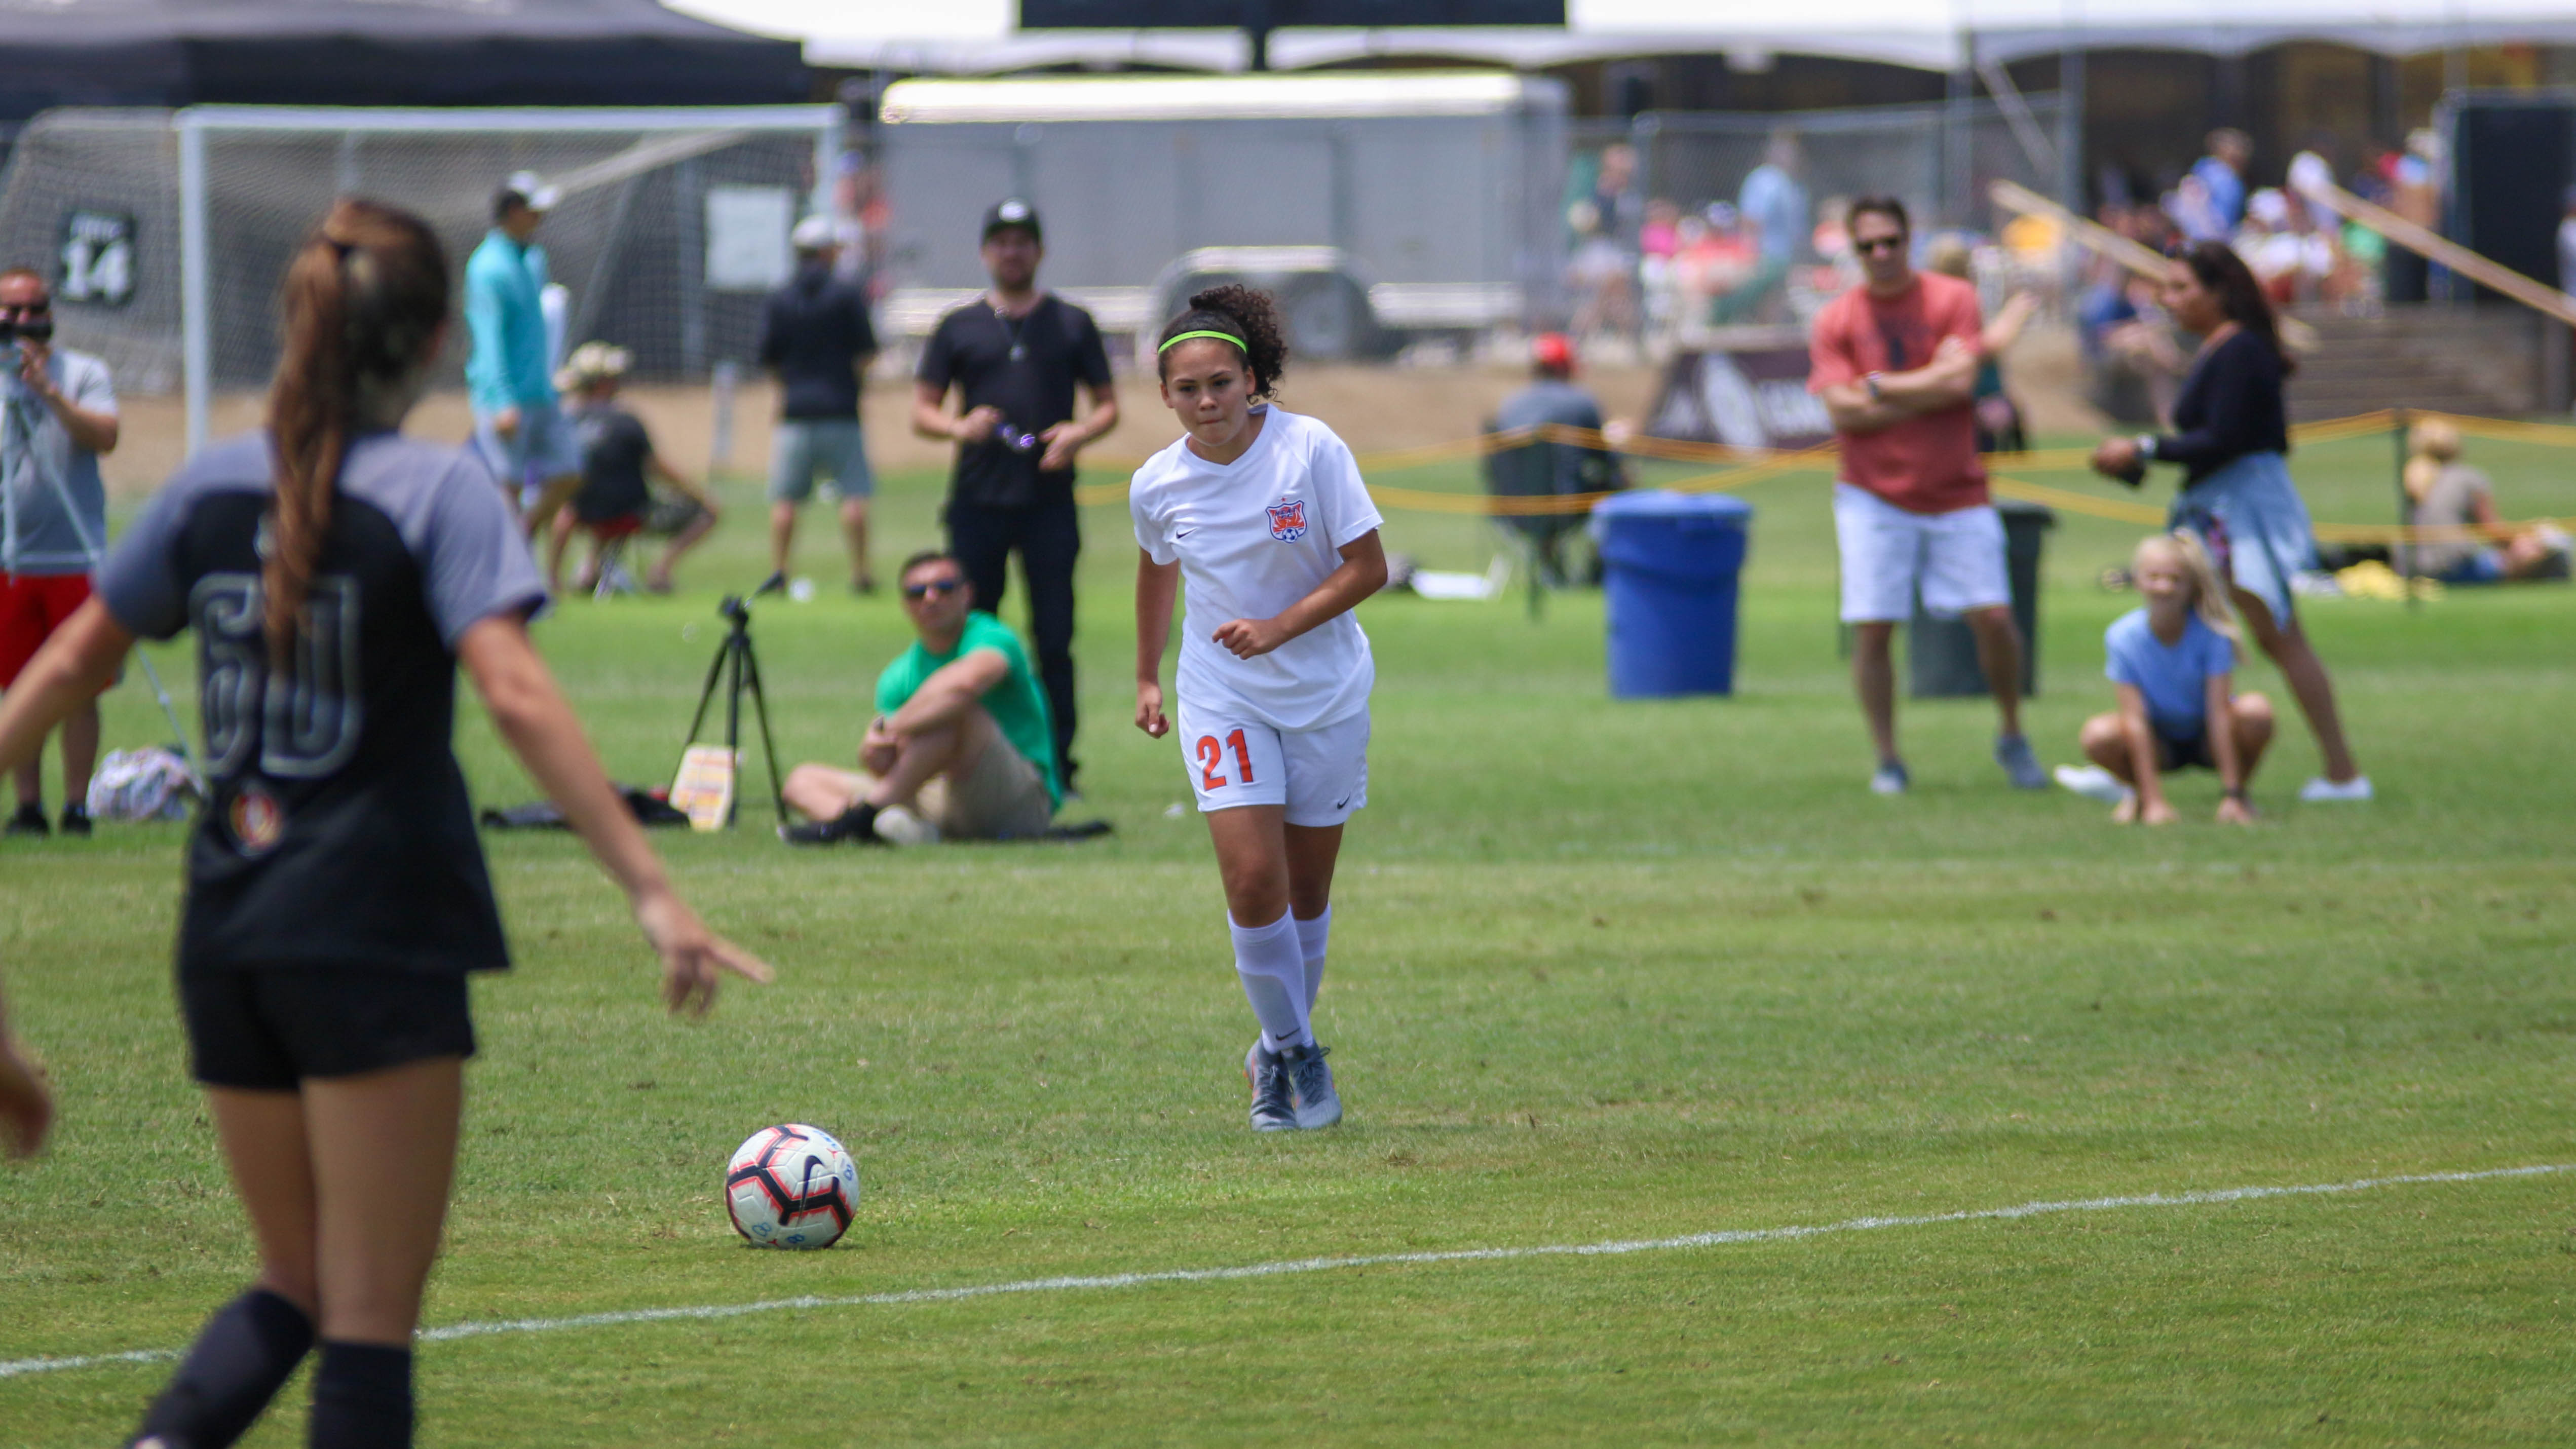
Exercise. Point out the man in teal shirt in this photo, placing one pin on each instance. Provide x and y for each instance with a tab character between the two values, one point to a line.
509	376
960	747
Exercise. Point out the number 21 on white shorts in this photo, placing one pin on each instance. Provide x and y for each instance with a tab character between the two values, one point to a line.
1321	775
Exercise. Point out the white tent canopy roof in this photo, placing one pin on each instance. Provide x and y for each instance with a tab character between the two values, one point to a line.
970	37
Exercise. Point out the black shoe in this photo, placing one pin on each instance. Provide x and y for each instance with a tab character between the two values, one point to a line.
774	584
30	820
858	823
75	821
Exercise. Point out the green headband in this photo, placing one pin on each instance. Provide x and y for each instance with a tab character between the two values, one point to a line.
1219	336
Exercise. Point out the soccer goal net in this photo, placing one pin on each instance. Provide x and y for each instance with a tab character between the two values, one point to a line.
165	232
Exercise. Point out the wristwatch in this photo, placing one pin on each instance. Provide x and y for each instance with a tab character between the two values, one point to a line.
1871	382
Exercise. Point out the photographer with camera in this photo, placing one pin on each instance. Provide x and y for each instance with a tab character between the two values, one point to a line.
60	415
1015	354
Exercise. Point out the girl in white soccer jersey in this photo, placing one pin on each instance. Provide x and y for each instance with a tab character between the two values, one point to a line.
1262	512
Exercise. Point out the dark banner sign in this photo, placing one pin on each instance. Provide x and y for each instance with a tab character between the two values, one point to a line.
1749	396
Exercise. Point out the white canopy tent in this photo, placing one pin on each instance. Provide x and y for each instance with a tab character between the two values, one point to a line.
971	37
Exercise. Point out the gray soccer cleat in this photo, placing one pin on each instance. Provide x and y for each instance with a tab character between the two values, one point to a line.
1272	1109
1318	1105
2013	752
1889	779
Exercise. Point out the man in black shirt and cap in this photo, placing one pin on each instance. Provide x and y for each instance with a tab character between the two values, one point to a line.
1014	356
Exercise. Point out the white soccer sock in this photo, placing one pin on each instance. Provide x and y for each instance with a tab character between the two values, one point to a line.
1311	936
1273	969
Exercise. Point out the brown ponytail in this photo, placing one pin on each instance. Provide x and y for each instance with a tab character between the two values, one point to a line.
361	302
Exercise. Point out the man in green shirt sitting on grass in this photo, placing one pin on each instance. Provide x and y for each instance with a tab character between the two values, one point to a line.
960	747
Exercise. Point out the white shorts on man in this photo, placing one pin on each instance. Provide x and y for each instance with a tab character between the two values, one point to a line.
1955	559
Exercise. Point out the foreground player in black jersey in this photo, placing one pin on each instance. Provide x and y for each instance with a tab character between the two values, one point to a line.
335	574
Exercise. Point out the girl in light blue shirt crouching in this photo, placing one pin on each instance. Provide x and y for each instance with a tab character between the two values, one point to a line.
2173	664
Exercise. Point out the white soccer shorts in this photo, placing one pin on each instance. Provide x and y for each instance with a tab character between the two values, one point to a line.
1321	775
1956	558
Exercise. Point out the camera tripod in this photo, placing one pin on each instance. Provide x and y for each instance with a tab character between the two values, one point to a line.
739	667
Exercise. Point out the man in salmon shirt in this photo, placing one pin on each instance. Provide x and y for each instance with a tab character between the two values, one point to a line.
1895	362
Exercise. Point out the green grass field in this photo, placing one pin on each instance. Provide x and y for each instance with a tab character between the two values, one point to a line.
1604	971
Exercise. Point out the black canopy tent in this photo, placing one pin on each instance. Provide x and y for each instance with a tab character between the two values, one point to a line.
383	53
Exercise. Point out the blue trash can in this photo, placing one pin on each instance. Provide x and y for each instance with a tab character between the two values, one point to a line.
1671	561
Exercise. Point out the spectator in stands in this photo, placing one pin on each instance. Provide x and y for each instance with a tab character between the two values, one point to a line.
58	517
1615	200
1015	355
1603	278
2416	194
1999	428
1773	202
1551	467
509	375
1726	268
1659	290
2445	493
1895	361
2221	174
2231	433
814	334
2311	171
960	741
615	501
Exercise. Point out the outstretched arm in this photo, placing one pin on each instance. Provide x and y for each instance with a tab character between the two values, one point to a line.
1156	584
1362	573
542	731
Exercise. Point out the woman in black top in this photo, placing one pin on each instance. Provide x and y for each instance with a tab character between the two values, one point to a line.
335	574
2231	434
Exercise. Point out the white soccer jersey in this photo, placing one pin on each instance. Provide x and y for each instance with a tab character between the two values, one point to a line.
1253	537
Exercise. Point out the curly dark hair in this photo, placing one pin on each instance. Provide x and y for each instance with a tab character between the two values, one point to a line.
1237	311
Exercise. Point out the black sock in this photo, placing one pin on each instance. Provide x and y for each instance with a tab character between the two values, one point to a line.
242	1357
859	820
362	1398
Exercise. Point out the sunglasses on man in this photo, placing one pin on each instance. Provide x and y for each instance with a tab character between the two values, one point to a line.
915	593
1877	244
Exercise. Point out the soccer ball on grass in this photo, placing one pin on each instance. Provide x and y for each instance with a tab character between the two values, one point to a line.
791	1186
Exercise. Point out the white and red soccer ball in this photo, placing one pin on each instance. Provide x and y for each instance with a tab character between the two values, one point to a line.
791	1186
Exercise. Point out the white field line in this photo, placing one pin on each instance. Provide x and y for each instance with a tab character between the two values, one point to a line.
14	1368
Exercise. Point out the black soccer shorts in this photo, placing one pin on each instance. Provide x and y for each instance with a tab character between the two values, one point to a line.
268	1028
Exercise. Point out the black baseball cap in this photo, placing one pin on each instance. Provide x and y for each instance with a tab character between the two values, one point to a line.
1009	212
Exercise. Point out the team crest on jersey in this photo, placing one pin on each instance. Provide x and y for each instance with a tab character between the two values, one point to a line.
258	821
1288	520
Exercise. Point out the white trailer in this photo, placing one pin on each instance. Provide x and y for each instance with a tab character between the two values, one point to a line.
1380	207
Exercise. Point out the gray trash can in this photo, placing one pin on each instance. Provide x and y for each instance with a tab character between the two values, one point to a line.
1941	654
